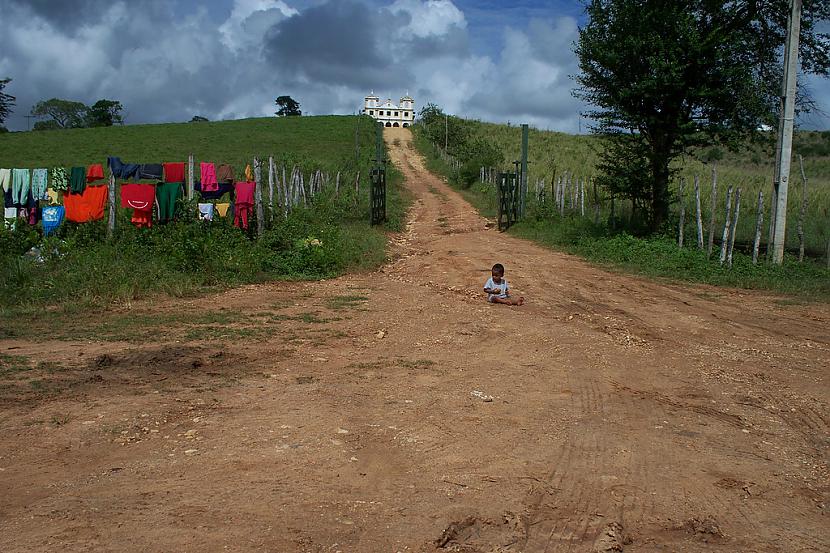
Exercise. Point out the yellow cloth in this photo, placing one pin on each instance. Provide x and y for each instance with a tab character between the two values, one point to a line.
222	209
54	196
249	175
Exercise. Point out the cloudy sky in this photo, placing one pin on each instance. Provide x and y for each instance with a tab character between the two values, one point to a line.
167	60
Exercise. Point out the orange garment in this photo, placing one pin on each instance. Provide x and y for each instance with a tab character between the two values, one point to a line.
95	172
87	206
249	175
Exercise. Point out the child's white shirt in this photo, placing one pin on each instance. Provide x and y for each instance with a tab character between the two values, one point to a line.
492	285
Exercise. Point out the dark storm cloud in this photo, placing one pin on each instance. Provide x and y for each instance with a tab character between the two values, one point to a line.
340	42
454	44
70	15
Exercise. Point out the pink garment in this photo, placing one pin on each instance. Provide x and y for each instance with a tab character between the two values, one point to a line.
208	177
244	203
245	193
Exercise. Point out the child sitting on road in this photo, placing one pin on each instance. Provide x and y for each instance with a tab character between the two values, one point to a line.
496	288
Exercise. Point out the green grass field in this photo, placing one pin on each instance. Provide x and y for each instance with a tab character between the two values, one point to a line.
80	269
554	153
325	142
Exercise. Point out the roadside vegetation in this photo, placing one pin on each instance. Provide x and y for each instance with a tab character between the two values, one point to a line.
77	268
626	245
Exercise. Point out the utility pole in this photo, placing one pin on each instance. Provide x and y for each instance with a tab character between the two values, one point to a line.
523	176
29	121
446	130
784	156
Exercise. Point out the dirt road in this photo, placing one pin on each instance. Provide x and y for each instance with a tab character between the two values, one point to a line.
398	411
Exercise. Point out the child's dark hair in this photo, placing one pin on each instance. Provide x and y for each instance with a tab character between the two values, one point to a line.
498	268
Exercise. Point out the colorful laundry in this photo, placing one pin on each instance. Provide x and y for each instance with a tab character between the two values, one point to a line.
243	206
142	219
138	196
40	184
121	170
206	212
59	179
224	174
94	173
174	172
77	180
87	206
5	179
20	186
168	194
52	218
150	171
249	175
207	175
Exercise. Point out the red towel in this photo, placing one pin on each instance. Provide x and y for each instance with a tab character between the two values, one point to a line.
138	196
85	207
95	172
174	172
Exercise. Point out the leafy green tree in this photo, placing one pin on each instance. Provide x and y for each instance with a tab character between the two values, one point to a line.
48	125
6	102
104	113
65	113
441	128
198	119
288	106
666	77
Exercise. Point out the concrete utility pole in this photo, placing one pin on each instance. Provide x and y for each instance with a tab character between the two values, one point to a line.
786	129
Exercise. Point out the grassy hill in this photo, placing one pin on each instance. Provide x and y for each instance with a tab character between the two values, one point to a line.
751	169
326	142
79	267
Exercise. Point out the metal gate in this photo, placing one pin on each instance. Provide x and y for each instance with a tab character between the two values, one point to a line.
508	199
378	195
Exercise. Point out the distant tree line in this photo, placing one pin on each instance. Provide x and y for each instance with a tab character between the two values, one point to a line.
68	114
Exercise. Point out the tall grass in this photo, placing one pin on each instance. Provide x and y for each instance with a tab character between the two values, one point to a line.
617	249
552	154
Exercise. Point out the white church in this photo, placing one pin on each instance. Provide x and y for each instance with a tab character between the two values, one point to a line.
402	115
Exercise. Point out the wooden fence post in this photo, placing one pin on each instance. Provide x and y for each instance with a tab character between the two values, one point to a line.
759	225
111	201
582	196
260	212
713	203
803	211
681	195
190	176
271	187
726	225
699	215
734	230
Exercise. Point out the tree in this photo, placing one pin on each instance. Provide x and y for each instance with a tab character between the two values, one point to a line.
670	76
198	119
49	125
65	113
6	102
104	113
288	106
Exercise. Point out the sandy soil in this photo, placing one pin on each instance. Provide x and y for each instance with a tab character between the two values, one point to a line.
398	411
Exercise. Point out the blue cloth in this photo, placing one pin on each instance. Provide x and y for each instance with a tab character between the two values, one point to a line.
224	188
150	171
122	170
52	218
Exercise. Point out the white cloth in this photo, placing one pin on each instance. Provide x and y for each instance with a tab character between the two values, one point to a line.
206	212
492	285
10	216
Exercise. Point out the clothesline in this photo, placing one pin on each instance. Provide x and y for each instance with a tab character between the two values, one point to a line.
84	192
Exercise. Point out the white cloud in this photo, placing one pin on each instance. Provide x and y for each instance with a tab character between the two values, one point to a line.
430	18
250	19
